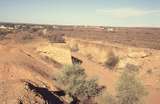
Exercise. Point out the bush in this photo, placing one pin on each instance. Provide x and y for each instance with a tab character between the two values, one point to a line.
23	37
27	37
75	48
59	38
132	68
3	33
73	81
149	71
112	60
89	56
130	90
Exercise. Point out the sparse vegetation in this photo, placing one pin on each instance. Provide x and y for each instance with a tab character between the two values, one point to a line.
56	38
75	48
23	37
149	71
3	33
26	37
73	81
130	89
33	47
112	60
89	56
132	68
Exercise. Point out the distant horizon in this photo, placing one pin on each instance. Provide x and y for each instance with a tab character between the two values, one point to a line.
124	13
77	25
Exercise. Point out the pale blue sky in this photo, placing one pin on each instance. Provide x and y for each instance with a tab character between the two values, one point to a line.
82	12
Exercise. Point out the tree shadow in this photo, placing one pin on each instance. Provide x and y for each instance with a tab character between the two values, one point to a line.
47	95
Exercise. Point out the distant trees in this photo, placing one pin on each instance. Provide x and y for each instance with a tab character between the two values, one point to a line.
73	81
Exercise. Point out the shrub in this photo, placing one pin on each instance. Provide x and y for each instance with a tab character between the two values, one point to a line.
73	81
75	48
3	33
130	90
132	68
112	60
149	71
27	37
23	37
2	36
89	56
59	38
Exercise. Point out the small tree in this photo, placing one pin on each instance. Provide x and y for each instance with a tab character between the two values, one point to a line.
112	60
130	90
73	81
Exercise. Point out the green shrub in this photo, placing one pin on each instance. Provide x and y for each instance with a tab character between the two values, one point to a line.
130	90
73	81
112	60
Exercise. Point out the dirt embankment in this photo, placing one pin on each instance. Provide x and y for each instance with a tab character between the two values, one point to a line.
98	50
24	77
148	61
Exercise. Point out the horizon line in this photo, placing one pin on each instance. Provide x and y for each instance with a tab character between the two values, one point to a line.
29	23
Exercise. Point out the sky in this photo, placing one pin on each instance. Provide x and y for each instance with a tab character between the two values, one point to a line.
132	13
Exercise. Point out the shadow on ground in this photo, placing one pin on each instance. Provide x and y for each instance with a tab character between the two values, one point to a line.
47	95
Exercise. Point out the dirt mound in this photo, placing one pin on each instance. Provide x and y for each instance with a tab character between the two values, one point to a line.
25	78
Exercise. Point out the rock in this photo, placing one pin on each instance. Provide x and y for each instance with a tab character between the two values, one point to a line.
138	54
